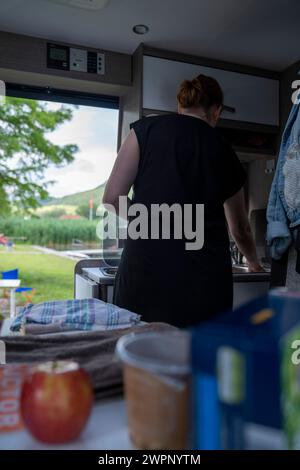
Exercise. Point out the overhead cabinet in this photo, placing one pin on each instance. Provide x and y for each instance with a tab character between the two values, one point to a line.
254	99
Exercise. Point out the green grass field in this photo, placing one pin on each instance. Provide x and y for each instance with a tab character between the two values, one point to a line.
50	275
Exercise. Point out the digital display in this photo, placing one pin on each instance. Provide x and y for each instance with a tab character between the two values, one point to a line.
57	53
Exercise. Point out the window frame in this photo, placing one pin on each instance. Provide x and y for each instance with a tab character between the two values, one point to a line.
62	96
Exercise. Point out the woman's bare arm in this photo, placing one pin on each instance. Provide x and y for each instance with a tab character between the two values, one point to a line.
124	171
239	227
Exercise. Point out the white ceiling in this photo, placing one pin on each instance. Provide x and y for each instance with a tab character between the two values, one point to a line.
253	32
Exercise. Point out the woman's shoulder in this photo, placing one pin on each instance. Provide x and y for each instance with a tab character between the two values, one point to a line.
153	119
158	123
178	125
180	121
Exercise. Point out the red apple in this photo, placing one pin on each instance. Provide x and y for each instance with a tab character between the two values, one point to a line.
56	401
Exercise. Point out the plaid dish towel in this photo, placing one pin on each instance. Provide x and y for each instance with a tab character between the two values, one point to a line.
78	314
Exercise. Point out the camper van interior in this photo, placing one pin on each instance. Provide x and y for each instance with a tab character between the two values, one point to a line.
110	337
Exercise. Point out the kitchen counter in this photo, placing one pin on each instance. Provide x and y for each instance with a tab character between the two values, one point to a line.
242	274
248	285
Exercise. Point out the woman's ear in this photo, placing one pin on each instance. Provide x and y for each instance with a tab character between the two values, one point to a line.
220	109
215	113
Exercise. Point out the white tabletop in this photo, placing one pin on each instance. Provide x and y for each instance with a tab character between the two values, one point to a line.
106	430
10	283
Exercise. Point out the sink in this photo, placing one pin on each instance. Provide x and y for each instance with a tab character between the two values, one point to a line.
111	272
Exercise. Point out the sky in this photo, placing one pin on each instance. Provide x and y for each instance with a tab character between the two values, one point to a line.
94	130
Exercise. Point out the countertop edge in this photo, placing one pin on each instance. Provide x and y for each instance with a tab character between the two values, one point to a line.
251	277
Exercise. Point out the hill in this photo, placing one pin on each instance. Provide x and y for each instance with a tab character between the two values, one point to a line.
78	198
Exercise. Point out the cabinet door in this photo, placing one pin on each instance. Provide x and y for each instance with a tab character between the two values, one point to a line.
255	99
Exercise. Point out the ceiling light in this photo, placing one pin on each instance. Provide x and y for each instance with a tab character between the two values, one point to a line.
87	4
140	29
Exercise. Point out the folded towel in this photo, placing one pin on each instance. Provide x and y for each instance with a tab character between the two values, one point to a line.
95	352
78	314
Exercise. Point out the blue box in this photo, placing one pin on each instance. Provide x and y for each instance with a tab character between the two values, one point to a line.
246	377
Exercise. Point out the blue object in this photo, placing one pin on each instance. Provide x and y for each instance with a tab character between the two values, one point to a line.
283	210
208	413
246	373
12	274
24	289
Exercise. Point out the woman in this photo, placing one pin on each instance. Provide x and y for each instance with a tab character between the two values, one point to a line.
182	159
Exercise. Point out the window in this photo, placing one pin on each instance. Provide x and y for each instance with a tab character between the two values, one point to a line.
65	147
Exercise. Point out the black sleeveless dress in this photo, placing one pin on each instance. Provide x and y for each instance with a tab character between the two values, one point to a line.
183	160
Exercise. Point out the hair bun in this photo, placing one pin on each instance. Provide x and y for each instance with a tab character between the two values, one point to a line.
196	84
188	84
202	91
189	94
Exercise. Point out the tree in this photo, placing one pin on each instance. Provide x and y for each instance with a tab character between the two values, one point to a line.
26	152
83	210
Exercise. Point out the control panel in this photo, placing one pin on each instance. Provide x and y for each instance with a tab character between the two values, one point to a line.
75	59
